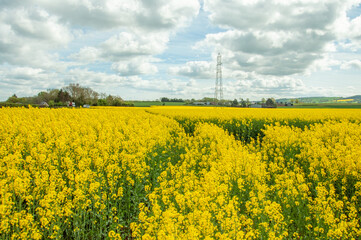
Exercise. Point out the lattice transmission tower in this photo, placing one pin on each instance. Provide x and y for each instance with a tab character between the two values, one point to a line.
218	93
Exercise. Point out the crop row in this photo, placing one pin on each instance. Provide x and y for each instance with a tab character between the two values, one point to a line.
122	173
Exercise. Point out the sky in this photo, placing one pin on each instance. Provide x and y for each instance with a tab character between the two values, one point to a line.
148	49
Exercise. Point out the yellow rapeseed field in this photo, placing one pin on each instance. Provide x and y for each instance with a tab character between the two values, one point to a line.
180	173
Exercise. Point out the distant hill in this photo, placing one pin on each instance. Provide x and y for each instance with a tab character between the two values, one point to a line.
310	99
355	99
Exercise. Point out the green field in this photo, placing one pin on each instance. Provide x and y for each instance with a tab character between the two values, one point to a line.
155	103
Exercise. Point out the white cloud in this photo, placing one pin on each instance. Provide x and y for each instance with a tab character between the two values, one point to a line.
356	64
354	30
124	46
277	87
28	35
135	66
275	14
35	34
269	53
278	38
107	81
95	14
24	73
261	84
194	69
127	44
107	14
266	45
96	79
147	34
36	24
130	52
13	80
87	55
45	25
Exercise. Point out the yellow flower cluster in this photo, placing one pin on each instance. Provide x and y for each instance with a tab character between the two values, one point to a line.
315	175
180	173
76	173
204	195
276	114
247	123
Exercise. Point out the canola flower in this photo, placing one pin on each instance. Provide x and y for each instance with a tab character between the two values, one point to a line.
76	173
180	173
248	123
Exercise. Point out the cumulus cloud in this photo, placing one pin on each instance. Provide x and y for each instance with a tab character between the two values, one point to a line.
35	34
86	55
351	33
13	80
124	46
269	53
269	85
170	86
277	15
23	74
194	69
130	53
95	14
96	79
136	66
27	35
106	14
278	87
266	45
353	64
146	34
278	38
354	30
26	26
111	81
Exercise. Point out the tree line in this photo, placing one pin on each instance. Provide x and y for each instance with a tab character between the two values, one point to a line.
267	103
165	99
73	93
